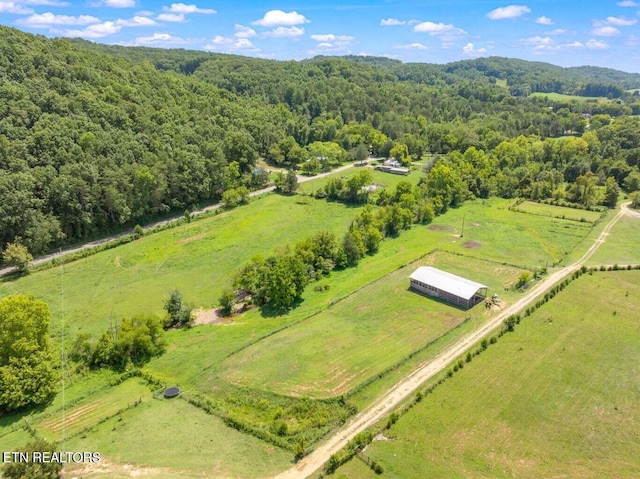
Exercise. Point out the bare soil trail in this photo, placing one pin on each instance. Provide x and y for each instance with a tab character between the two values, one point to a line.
403	389
149	226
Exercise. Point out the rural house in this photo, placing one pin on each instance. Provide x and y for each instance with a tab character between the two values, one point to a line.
449	287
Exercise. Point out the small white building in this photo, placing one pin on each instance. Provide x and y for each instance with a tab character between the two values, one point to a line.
447	286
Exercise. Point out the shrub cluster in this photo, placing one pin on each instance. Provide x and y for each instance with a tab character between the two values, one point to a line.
132	342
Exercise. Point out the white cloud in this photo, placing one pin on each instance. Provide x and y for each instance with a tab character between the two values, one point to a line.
136	21
438	29
544	20
470	50
538	40
618	21
275	18
596	45
549	45
628	3
607	31
281	32
118	3
159	39
392	22
182	8
12	7
330	37
332	42
412	46
557	31
221	43
512	11
244	32
172	17
144	13
97	30
46	20
47	3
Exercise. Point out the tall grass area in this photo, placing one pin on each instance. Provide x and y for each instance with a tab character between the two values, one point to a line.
556	398
173	439
197	258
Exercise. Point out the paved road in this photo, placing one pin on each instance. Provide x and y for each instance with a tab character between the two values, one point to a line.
407	386
108	239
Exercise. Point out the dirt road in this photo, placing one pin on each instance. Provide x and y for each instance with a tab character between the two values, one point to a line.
425	371
92	244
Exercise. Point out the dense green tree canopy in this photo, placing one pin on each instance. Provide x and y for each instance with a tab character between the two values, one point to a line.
27	364
96	138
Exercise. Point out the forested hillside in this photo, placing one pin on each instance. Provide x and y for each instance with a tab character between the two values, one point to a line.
94	138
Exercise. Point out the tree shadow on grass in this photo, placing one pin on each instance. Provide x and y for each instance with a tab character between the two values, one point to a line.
13	276
268	311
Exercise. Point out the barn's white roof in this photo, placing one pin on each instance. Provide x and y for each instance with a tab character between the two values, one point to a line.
461	287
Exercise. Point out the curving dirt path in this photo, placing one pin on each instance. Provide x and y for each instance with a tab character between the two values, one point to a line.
108	239
426	371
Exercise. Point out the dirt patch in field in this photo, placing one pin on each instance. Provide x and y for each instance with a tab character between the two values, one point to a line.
191	239
210	316
440	228
472	244
213	316
116	262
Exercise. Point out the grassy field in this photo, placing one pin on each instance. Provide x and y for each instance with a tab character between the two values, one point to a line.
563	97
622	245
197	258
388	180
334	351
558	211
556	398
170	438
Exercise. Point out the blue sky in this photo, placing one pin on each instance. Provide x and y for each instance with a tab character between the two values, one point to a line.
567	33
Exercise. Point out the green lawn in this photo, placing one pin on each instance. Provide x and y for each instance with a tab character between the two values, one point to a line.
334	351
197	258
556	398
558	211
621	246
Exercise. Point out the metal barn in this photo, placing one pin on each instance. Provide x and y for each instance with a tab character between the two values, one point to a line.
447	286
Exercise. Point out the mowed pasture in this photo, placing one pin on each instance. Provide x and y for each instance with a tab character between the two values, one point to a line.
556	398
558	211
622	245
197	258
330	353
494	232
